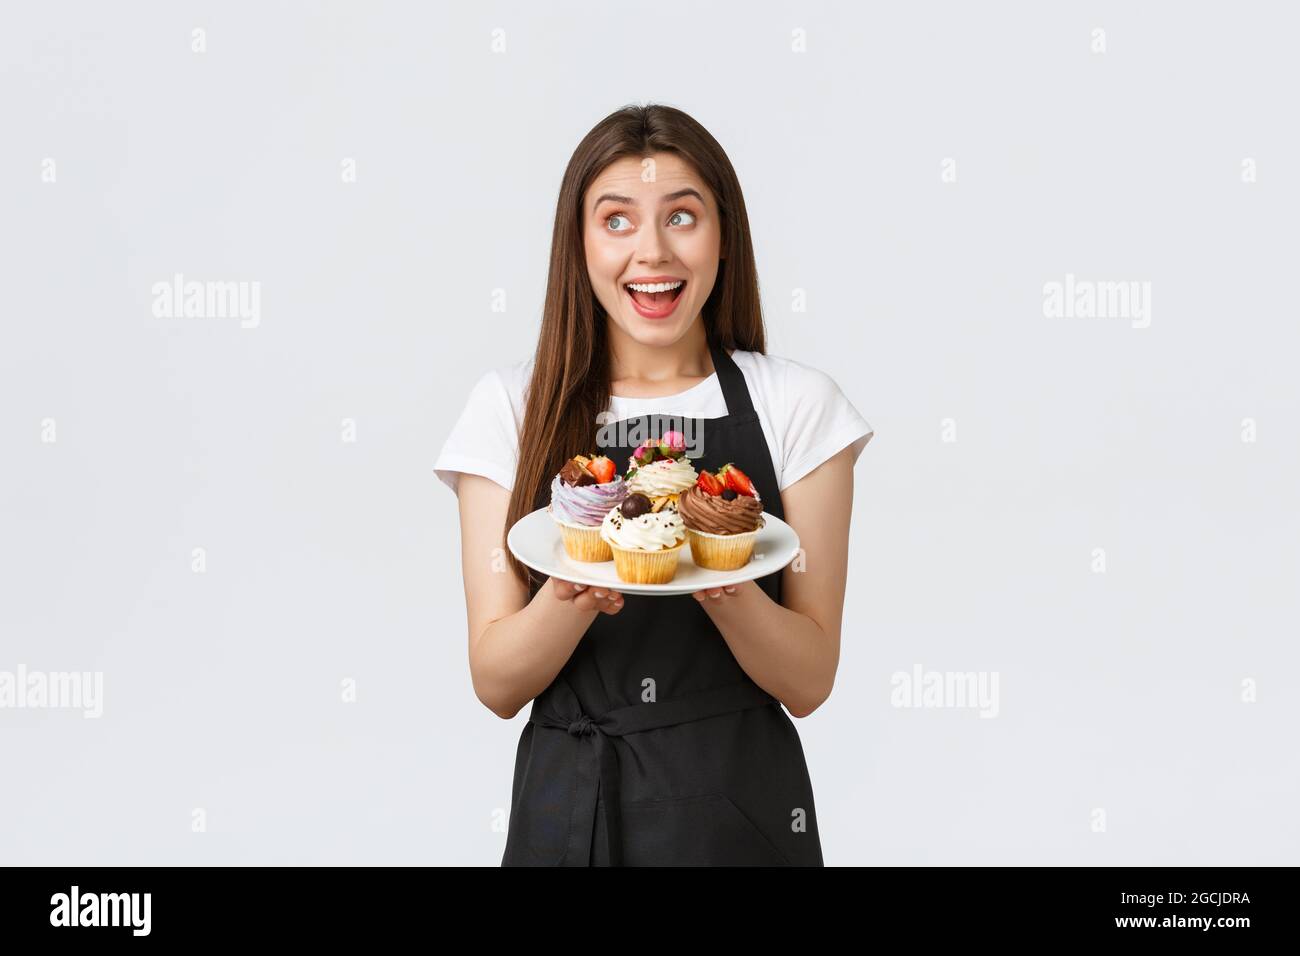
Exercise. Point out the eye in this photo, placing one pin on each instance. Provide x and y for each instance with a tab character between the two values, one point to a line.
616	216
682	212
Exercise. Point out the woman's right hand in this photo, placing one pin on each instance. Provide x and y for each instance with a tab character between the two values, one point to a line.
586	597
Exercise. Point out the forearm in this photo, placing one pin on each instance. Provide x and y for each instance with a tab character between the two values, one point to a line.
517	657
784	652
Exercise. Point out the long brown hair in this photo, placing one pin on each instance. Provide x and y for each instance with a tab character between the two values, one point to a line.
570	387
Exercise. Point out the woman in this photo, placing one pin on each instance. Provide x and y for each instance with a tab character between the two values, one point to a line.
656	733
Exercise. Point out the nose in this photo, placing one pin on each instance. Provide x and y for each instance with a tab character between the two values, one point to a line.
651	247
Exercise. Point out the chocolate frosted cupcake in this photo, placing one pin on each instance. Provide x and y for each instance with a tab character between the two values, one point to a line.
723	515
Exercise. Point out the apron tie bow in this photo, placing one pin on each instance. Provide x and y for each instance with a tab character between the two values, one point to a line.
596	768
582	727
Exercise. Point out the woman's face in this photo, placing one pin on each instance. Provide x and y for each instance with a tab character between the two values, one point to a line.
664	232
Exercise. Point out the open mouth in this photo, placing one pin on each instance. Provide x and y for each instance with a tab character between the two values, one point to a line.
654	300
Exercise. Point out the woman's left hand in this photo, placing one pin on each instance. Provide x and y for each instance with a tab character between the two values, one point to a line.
710	595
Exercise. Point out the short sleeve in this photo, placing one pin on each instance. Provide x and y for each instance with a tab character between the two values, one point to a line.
819	421
484	440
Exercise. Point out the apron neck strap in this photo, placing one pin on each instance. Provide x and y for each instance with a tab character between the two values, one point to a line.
732	380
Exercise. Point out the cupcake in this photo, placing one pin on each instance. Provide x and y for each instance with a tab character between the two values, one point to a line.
722	514
581	494
646	539
659	469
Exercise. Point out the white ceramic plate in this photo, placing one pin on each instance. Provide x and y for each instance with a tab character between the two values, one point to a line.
536	541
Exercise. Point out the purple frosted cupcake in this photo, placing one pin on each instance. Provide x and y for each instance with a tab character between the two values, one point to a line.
581	495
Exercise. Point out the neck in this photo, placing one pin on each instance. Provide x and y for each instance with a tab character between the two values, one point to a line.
632	361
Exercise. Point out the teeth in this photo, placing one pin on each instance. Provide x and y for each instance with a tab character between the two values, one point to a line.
655	286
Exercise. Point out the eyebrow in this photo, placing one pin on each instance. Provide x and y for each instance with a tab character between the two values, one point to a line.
629	201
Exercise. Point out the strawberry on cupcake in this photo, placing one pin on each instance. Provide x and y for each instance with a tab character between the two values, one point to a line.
581	495
722	513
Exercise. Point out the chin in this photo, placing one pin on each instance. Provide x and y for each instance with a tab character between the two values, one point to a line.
657	336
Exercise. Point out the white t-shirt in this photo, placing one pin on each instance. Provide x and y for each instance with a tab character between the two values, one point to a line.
806	419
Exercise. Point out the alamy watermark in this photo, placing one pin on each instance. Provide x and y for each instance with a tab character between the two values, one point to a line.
1089	299
53	690
180	299
129	910
632	432
920	688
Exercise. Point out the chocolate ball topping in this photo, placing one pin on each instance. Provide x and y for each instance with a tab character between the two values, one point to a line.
635	504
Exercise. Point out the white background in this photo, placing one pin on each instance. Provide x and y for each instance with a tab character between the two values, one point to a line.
329	560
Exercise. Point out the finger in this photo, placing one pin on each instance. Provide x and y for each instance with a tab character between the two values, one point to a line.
614	604
584	600
606	598
597	599
566	590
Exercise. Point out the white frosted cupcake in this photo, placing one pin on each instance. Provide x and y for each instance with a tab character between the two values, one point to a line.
660	470
646	543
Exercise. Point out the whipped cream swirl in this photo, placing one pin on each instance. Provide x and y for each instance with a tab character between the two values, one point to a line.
652	531
667	476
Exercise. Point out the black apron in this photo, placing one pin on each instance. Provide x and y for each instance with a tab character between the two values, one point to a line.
652	746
